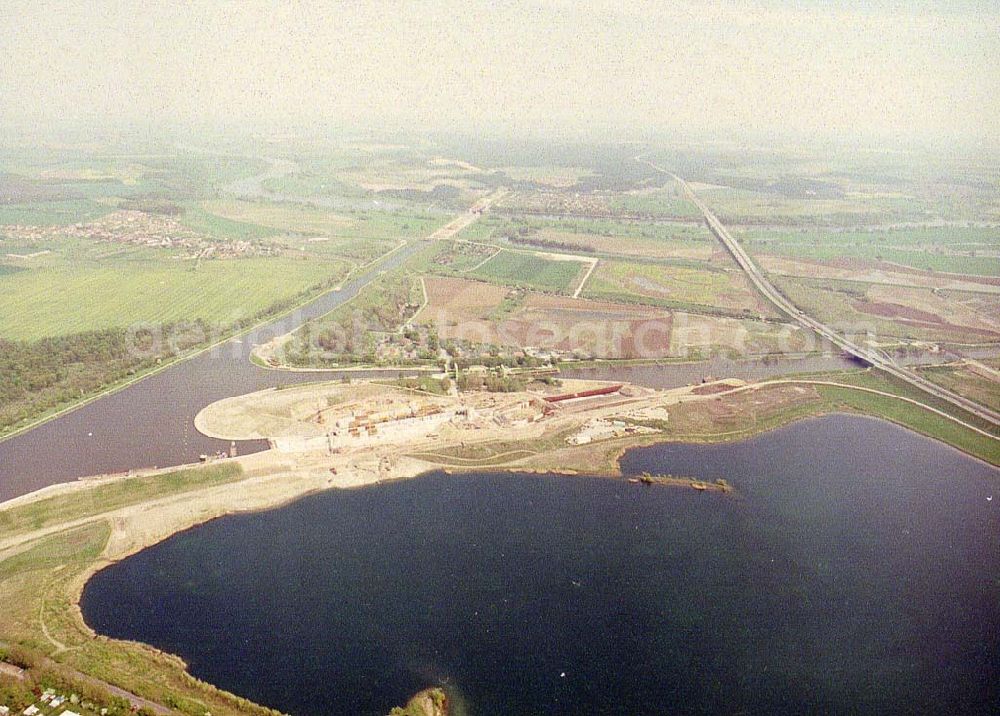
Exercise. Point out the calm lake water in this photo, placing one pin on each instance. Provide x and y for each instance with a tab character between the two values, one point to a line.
856	569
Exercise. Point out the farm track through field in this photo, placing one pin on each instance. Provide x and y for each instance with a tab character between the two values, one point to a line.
586	277
442	459
483	262
423	288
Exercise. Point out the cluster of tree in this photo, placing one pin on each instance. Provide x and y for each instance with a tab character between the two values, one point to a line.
43	374
459	250
426	336
151	205
18	656
440	192
37	376
349	337
551	244
496	360
490	382
427	384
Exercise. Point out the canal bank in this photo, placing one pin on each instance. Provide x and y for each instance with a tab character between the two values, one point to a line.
151	423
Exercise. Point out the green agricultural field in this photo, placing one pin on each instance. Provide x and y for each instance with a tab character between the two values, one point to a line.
231	219
836	304
517	269
609	238
621	246
598	237
483	230
71	296
396	225
195	217
960	237
52	213
694	231
315	233
283	217
744	206
307	222
966	381
312	185
671	284
951	250
451	258
665	203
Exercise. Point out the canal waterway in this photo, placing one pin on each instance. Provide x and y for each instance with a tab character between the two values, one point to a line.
151	422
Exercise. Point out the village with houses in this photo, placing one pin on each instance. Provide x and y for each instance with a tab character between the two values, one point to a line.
52	703
141	228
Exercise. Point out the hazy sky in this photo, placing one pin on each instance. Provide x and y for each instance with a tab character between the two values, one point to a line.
900	68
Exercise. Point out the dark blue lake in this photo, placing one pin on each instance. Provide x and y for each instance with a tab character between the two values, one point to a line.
855	570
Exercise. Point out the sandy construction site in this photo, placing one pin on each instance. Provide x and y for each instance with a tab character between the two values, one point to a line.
362	432
338	417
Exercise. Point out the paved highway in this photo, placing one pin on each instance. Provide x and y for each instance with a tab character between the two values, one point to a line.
873	356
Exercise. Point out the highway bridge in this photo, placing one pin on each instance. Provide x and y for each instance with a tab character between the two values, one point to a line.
870	355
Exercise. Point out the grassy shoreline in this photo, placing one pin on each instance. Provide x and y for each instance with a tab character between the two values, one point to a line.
52	542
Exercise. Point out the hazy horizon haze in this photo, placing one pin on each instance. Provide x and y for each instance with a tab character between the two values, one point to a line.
877	71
